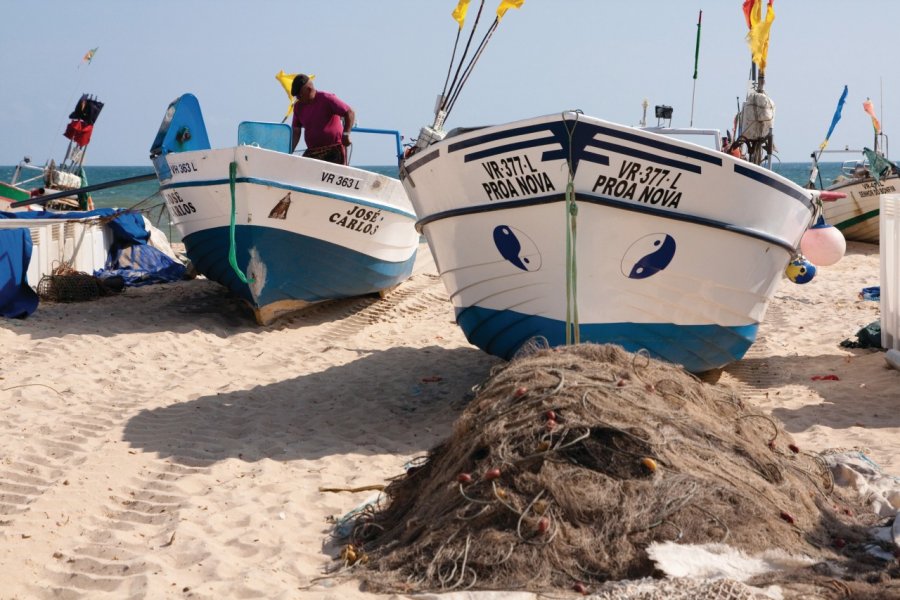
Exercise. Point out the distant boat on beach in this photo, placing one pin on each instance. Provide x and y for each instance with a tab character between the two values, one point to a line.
857	215
30	181
862	181
567	228
279	230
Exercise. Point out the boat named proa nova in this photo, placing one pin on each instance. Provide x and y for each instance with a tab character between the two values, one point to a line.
279	230
568	228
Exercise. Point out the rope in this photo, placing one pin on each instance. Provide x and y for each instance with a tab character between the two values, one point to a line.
573	334
232	258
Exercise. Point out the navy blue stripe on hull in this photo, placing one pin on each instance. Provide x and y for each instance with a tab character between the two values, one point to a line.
697	348
774	183
297	267
610	202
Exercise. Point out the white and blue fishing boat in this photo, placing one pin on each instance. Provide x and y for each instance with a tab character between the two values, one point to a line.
861	182
278	230
567	228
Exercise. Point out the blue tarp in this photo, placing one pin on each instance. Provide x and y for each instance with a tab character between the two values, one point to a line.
130	256
871	293
141	264
17	299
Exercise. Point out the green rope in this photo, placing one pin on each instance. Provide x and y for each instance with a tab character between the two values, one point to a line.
232	258
572	329
573	334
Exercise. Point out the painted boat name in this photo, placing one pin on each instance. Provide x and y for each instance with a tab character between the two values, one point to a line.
872	189
650	179
185	167
177	204
340	180
358	219
514	176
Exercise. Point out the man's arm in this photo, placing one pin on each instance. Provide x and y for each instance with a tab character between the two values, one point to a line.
349	122
295	137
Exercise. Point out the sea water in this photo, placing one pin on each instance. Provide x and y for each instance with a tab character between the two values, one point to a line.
145	196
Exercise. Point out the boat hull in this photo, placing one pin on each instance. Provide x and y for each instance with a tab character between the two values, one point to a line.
304	230
857	214
677	249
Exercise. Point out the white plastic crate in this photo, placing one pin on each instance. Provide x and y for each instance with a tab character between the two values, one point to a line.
83	245
889	246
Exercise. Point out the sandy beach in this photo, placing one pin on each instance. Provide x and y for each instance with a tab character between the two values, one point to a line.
159	444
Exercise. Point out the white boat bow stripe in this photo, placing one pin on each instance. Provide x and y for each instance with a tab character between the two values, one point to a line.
276	184
774	183
611	202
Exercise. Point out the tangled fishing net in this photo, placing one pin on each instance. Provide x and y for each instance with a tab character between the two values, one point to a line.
65	284
568	463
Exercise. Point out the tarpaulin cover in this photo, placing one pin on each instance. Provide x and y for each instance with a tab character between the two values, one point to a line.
130	256
17	299
141	264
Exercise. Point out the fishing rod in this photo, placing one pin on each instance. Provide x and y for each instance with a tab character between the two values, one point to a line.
460	16
89	188
471	65
448	98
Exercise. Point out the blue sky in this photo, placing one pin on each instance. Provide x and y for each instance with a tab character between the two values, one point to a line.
388	59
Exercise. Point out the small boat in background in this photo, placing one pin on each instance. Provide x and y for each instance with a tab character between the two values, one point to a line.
567	228
857	215
279	230
862	181
30	181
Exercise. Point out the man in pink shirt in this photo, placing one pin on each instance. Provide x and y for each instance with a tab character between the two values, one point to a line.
326	118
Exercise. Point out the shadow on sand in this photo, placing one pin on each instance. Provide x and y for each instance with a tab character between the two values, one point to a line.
396	400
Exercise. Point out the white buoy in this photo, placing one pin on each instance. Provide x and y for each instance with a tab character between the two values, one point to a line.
823	244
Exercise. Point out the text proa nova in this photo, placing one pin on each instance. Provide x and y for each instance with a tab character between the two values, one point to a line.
514	176
651	185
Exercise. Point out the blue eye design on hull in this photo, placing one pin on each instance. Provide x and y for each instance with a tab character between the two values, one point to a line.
648	256
517	248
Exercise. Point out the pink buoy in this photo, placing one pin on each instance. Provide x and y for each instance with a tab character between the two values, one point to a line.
823	244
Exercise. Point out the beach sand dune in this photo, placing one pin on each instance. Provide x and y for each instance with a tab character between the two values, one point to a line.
159	444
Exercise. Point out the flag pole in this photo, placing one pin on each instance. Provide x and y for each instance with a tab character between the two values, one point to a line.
815	156
696	62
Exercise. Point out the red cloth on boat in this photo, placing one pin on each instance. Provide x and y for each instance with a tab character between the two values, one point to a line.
79	132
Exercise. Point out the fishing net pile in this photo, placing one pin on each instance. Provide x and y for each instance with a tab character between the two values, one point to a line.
569	462
65	284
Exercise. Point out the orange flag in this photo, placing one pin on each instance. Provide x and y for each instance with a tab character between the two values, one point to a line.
867	106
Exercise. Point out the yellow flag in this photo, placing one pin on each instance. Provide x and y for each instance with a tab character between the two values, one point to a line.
459	13
760	26
505	5
286	80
